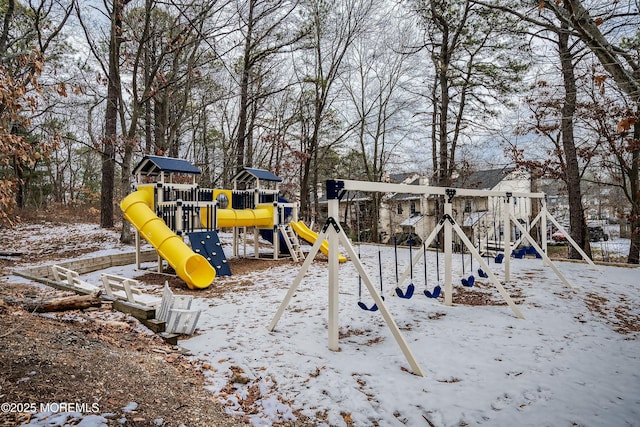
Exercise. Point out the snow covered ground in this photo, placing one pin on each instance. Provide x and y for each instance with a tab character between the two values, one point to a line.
573	360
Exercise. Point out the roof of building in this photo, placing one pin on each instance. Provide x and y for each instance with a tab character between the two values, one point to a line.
248	175
482	180
408	196
411	221
154	165
400	177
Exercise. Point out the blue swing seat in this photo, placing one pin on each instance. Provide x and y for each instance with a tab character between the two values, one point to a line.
482	273
434	294
363	306
520	253
409	292
499	258
469	281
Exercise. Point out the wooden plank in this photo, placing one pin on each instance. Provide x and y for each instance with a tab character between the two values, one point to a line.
155	325
144	314
74	302
44	271
89	265
171	339
53	283
138	311
10	253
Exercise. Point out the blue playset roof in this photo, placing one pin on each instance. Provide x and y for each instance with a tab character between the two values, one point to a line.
154	165
250	174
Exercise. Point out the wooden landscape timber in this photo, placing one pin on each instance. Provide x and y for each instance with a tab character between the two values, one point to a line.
89	265
11	253
74	302
146	315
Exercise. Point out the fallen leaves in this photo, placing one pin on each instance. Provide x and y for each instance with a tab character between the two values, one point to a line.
626	123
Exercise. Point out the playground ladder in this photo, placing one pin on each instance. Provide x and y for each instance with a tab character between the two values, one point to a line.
293	244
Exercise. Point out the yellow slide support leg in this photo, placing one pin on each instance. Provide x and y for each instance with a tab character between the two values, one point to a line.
194	269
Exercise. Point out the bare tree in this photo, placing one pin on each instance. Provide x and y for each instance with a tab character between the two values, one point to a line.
162	55
373	84
610	31
110	138
477	61
269	28
336	24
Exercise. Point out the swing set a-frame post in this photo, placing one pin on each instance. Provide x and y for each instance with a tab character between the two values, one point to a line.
334	285
335	236
448	248
506	235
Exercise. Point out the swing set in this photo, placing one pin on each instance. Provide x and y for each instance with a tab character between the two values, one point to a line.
409	292
333	232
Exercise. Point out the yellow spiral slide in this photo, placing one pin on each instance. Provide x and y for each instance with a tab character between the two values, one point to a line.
194	269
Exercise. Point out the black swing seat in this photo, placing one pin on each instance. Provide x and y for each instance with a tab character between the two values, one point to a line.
434	294
409	292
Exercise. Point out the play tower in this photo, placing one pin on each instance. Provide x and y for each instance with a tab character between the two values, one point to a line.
167	206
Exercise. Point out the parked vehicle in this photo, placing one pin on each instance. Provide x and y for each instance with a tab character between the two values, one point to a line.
558	237
596	234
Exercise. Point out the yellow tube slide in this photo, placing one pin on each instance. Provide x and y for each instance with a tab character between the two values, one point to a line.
260	217
311	236
194	269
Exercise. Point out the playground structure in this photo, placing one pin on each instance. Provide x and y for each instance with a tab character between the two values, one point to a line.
164	210
333	232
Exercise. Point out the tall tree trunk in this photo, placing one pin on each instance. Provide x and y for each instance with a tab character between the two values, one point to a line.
244	92
572	171
634	183
20	185
315	147
434	135
111	119
443	137
305	191
6	25
160	124
126	235
375	217
148	122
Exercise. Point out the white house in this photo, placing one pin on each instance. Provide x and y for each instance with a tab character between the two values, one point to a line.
478	216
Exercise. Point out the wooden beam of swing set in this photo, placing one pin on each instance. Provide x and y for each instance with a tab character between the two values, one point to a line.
385	187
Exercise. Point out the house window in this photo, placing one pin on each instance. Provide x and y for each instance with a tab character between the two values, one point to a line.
399	209
413	208
467	206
